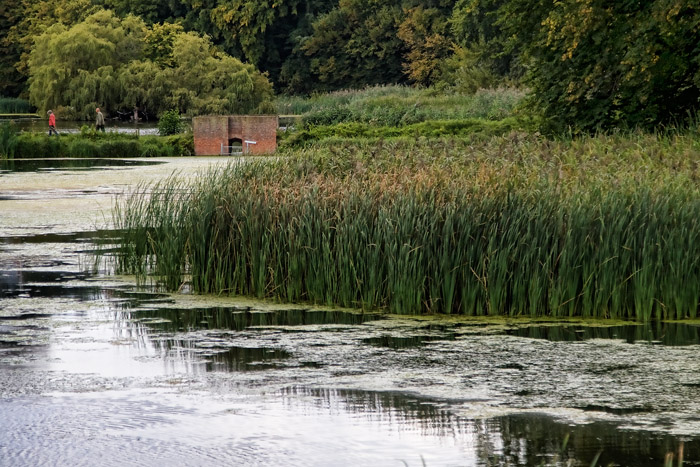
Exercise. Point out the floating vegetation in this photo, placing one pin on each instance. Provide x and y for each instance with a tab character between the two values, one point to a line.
601	227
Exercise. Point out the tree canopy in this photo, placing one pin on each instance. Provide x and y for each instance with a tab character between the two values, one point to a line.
119	64
594	64
587	64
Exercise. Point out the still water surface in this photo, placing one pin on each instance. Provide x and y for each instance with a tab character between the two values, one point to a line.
95	371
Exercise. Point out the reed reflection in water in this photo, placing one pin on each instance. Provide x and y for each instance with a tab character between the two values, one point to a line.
530	439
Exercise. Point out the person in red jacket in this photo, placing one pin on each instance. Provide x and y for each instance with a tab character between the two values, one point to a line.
52	123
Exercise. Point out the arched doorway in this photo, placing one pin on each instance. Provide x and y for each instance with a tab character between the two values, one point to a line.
235	146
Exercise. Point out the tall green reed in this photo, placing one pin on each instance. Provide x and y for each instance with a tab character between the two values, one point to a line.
512	226
13	105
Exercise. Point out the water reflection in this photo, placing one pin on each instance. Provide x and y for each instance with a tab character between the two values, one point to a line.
29	283
99	237
530	439
673	334
406	342
38	165
227	359
239	318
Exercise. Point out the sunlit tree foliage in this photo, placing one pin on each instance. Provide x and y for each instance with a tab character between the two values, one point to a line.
119	64
30	19
624	63
425	33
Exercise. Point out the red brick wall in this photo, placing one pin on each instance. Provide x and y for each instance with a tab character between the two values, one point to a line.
262	129
210	132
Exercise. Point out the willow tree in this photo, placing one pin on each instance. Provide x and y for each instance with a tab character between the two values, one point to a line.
28	19
77	66
120	64
207	81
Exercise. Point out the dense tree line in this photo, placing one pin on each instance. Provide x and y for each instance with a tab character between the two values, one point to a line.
587	63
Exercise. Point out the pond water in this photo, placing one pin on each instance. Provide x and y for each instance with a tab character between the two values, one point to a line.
96	371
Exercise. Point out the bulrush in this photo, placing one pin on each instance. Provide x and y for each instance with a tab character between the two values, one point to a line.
603	226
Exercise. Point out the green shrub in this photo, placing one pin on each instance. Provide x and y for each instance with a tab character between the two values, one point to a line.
8	140
91	144
79	147
170	123
182	144
430	128
119	148
150	150
32	146
401	106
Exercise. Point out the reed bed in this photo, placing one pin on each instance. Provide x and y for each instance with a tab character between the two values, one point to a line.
400	105
602	227
14	105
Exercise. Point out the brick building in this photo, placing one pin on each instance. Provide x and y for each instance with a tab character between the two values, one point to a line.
234	134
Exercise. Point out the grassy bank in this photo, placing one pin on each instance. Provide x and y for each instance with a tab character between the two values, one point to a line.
390	112
90	144
513	225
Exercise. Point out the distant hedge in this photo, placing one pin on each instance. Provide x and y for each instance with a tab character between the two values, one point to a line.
34	146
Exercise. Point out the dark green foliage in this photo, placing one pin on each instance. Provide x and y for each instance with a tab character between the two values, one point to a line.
8	140
11	82
356	45
11	105
152	11
91	144
170	123
596	65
